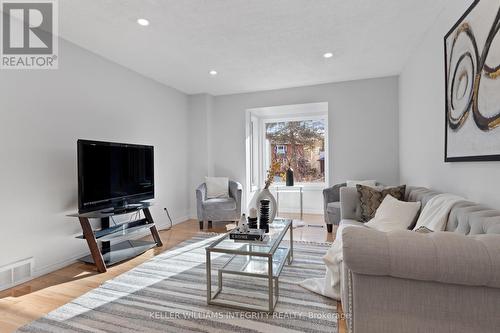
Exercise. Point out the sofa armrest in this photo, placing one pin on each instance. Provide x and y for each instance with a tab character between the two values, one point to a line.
444	257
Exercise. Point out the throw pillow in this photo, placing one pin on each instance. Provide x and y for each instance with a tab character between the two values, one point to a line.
217	187
393	214
371	198
353	183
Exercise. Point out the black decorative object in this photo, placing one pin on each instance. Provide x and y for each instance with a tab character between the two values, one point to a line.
289	176
472	75
252	222
264	215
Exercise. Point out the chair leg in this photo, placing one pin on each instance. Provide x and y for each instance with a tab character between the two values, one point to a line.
209	224
201	225
329	227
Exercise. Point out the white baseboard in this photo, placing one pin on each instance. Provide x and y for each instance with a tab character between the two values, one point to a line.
56	266
175	221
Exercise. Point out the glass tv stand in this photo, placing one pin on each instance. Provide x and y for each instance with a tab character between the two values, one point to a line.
102	252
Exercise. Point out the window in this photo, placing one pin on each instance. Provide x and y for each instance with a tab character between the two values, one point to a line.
295	135
280	150
299	144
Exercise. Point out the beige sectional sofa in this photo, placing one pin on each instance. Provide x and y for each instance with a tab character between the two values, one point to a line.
411	282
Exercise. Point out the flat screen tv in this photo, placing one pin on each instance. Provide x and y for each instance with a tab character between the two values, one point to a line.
113	175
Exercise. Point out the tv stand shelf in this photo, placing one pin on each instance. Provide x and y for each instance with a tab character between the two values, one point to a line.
122	251
117	231
107	254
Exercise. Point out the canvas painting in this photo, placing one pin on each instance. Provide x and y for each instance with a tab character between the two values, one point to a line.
472	59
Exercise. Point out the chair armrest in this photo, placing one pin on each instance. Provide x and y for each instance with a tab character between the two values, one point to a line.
201	196
331	194
444	257
235	191
201	193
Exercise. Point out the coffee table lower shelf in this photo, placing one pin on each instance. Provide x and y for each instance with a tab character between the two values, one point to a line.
267	267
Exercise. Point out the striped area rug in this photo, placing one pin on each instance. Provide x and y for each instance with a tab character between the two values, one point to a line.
168	294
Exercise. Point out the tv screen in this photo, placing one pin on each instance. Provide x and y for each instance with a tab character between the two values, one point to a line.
112	175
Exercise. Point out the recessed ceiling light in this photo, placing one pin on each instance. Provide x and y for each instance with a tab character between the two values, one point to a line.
143	22
212	72
328	55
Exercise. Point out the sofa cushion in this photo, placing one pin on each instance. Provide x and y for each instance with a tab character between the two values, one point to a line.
220	203
370	198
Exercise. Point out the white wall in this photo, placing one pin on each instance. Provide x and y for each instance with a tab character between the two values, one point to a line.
200	156
422	102
363	128
43	113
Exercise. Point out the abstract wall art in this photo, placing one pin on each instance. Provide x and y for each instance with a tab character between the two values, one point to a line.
472	75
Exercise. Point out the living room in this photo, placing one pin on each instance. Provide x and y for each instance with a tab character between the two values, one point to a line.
136	134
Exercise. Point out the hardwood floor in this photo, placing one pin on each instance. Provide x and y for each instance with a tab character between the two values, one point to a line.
31	300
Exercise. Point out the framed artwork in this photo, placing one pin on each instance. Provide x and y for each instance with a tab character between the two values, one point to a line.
472	75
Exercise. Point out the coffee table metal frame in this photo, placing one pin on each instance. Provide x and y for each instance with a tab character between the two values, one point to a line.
247	254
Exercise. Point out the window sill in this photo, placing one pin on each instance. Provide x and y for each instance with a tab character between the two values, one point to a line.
305	186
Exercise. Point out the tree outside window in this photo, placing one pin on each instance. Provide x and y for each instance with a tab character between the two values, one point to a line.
300	145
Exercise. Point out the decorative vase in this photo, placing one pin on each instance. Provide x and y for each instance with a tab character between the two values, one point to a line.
265	194
289	176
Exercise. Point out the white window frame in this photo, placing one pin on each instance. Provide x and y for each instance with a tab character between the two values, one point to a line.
254	151
283	149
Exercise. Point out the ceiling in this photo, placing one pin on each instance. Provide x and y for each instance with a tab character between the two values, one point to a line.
253	44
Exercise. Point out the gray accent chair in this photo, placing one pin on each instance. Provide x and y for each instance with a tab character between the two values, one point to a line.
218	209
331	205
410	282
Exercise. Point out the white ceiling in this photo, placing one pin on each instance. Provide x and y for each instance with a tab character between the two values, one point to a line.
253	44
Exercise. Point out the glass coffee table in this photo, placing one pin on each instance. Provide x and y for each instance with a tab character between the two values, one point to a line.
263	260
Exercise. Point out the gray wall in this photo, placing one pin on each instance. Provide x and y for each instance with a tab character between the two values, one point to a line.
200	156
43	113
422	101
363	127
